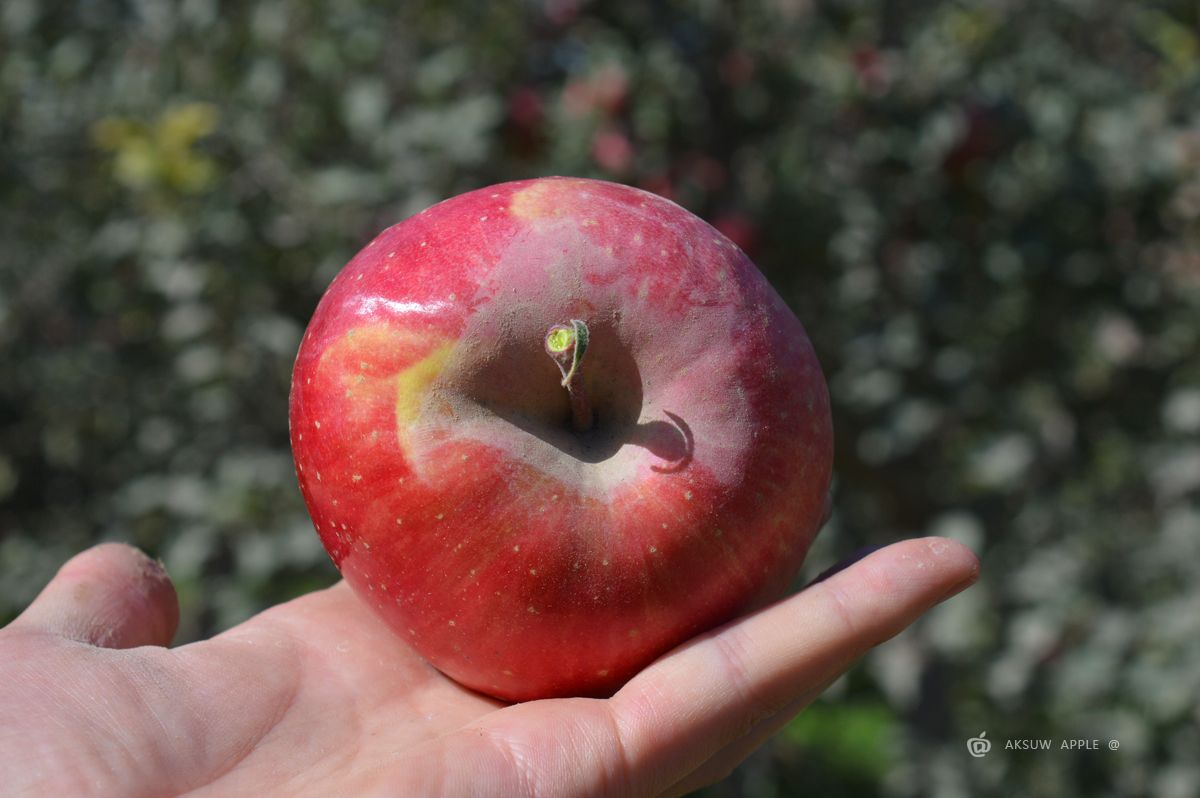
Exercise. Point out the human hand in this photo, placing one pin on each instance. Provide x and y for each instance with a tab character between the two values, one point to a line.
318	697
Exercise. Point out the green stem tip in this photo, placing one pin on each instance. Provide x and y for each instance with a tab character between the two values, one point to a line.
567	344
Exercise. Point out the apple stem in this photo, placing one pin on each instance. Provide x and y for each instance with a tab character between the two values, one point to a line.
566	344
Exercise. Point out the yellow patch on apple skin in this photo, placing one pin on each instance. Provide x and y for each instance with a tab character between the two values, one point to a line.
401	365
530	203
543	199
414	382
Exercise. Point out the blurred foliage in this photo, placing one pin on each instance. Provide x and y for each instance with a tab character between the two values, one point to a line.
162	155
987	214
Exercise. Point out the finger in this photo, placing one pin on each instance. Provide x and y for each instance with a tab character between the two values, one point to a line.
724	762
684	709
841	565
111	595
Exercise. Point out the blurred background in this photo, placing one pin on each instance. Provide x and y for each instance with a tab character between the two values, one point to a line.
987	214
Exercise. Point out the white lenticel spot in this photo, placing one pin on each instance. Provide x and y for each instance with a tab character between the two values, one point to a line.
440	516
533	572
517	547
687	495
318	423
399	521
483	218
603	672
357	477
654	549
452	623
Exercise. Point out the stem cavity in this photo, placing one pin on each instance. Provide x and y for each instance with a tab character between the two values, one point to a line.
566	344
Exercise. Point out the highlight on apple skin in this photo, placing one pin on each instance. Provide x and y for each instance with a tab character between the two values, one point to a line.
551	429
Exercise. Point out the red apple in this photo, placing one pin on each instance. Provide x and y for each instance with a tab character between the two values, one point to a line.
536	518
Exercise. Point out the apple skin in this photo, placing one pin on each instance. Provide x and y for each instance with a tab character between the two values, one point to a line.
434	447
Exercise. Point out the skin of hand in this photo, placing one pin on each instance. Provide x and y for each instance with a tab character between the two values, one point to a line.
317	697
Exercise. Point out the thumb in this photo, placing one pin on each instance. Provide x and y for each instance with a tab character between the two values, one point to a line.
111	595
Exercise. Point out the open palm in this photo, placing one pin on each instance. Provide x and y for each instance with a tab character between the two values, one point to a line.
317	697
